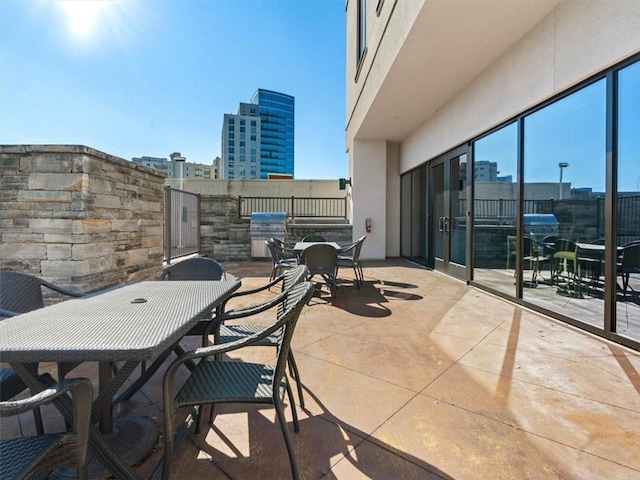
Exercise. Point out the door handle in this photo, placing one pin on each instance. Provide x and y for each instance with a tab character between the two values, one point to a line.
441	224
446	225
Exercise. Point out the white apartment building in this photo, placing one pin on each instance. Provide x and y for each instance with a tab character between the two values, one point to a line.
241	143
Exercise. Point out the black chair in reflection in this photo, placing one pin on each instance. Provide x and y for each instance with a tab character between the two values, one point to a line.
629	263
533	258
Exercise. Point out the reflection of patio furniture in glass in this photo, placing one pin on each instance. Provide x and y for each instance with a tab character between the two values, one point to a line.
349	257
511	250
321	259
565	269
532	254
40	454
590	262
232	381
629	263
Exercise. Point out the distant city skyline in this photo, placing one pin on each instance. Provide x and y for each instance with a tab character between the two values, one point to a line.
147	78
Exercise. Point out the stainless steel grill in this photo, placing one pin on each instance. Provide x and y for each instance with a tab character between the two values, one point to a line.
265	225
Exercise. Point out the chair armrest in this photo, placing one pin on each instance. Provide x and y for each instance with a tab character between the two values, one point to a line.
251	291
80	389
7	313
241	313
219	349
62	290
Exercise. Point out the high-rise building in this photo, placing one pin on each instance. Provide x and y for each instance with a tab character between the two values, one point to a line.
277	113
258	141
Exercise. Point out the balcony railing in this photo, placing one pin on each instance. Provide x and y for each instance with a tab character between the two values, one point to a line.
295	207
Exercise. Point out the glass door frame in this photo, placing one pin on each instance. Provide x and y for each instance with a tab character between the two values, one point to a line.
443	225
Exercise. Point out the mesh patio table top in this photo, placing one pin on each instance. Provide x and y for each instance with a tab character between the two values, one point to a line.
137	321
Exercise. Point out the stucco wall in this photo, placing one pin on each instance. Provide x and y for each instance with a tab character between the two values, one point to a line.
79	217
575	41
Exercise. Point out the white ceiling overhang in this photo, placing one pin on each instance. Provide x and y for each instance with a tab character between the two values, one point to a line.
450	43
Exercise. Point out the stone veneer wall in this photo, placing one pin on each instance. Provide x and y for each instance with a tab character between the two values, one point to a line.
79	217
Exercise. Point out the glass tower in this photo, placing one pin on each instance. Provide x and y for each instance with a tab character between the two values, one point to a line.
277	113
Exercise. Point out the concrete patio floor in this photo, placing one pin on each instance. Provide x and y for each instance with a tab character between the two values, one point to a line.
417	375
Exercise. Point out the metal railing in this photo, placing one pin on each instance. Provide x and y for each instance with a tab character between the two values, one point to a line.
295	207
181	223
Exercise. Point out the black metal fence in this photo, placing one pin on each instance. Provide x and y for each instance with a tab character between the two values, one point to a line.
584	214
182	223
295	207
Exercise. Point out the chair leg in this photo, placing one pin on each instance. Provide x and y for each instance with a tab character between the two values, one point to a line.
294	412
287	439
355	271
293	368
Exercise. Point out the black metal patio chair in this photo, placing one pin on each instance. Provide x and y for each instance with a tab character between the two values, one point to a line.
36	456
22	293
222	381
225	332
321	259
629	263
282	258
197	268
349	257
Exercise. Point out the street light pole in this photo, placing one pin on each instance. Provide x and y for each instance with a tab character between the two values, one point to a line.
562	166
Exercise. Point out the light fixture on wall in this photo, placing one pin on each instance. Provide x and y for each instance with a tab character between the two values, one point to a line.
344	182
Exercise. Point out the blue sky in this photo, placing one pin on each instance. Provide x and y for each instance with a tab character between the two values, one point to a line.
151	77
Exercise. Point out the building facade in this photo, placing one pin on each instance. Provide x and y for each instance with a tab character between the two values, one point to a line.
171	167
549	91
241	134
277	114
258	141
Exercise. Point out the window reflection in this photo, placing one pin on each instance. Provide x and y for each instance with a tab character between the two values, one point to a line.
495	174
628	203
564	185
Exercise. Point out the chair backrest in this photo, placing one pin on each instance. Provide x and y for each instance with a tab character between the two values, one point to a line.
358	247
631	258
530	247
275	250
320	259
293	276
564	245
198	268
19	292
313	238
290	279
294	302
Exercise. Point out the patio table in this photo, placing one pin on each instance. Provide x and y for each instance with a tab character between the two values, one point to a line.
300	247
131	324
